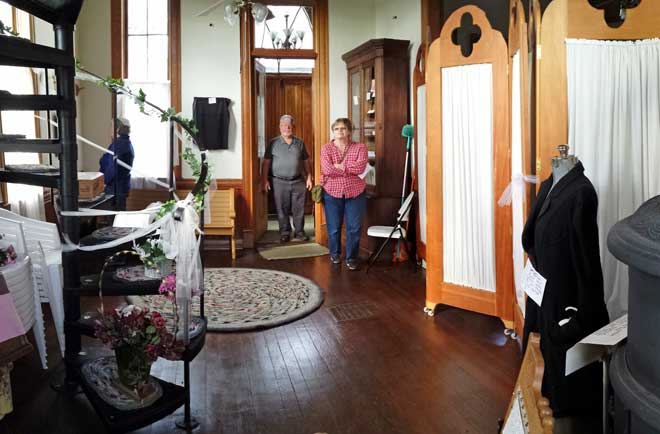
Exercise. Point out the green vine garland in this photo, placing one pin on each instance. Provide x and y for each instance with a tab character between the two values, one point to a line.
118	86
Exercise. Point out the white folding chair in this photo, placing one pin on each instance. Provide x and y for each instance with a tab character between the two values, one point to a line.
15	277
42	243
398	231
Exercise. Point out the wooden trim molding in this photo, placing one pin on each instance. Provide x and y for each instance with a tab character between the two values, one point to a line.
117	33
576	19
518	44
432	17
283	54
491	49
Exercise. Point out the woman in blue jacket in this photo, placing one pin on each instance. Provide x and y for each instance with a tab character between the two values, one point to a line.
123	149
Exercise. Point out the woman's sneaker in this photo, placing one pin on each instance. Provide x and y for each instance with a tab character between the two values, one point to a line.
335	259
352	264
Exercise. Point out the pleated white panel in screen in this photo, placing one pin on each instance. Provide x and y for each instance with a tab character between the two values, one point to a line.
421	159
467	161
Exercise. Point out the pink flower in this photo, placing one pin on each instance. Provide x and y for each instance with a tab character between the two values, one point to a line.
168	287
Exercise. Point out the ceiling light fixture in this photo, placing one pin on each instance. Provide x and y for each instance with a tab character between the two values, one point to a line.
232	9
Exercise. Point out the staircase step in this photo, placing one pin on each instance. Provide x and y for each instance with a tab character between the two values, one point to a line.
40	180
33	102
46	146
21	52
118	421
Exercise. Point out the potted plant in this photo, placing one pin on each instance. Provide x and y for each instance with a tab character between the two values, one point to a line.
153	257
138	336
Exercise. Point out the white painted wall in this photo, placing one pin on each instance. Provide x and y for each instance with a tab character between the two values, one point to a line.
350	23
94	105
353	22
211	66
400	19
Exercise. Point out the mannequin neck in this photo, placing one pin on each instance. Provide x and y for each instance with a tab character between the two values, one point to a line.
561	166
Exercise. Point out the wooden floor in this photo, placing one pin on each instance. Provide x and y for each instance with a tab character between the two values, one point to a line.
396	371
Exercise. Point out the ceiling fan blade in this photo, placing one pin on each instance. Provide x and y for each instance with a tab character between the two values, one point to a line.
210	9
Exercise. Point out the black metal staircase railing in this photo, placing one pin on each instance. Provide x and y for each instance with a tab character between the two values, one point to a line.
23	53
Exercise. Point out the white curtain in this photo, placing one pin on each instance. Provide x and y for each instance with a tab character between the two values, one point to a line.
614	128
421	159
150	137
467	176
517	188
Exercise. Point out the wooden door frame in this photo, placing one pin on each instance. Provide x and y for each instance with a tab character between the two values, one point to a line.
517	42
320	110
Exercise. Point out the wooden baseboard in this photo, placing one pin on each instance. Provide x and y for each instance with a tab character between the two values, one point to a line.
248	239
212	242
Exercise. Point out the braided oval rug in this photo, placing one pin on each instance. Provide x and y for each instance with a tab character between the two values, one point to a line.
238	299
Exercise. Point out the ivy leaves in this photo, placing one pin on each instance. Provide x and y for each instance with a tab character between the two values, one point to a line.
7	30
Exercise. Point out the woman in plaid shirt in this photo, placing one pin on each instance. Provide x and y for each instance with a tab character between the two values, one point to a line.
342	161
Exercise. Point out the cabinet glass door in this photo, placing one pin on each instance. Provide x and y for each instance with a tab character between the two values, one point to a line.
356	106
369	115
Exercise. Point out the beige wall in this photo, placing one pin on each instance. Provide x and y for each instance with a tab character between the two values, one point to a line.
93	52
211	67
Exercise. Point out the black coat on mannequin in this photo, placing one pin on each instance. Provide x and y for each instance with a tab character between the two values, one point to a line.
561	239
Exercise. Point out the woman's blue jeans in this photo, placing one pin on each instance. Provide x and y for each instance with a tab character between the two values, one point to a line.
351	211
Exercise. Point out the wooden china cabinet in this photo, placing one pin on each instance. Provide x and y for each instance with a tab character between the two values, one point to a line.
378	106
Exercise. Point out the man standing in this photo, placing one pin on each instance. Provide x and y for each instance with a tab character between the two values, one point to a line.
285	154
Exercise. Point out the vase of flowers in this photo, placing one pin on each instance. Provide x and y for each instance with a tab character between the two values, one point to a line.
138	336
153	257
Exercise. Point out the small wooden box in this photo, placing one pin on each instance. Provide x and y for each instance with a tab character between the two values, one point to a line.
90	185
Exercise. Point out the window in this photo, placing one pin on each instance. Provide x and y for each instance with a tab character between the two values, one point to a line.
147	68
24	199
285	27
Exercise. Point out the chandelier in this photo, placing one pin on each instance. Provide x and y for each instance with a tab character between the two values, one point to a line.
288	37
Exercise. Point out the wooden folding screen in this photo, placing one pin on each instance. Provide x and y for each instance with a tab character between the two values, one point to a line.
576	19
518	46
419	172
488	47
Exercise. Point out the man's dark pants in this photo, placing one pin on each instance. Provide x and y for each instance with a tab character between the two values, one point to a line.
290	200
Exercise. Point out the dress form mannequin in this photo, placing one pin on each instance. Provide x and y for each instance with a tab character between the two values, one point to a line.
562	164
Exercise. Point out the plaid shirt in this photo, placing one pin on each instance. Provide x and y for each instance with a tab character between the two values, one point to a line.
343	183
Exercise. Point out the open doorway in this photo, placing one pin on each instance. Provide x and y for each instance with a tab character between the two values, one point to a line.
284	87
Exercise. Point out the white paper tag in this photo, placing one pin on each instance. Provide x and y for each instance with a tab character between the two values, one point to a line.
533	283
212	100
514	423
596	345
611	334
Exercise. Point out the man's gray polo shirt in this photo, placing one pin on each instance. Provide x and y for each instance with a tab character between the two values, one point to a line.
286	157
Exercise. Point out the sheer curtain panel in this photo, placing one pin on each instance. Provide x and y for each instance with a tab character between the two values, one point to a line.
614	128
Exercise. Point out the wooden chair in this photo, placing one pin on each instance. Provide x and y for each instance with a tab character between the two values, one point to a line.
223	215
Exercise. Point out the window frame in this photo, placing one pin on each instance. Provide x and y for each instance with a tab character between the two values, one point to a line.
119	53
